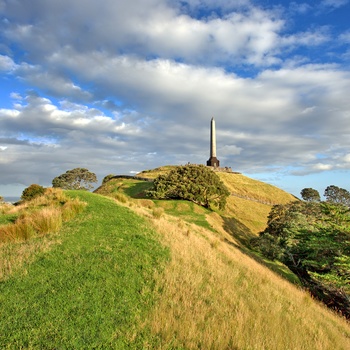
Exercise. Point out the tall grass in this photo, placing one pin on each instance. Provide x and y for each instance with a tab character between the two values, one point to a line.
40	216
212	296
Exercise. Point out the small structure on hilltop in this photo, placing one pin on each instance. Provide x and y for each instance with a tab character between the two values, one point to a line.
213	161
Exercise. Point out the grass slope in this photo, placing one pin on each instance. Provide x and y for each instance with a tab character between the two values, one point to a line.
90	290
214	295
250	203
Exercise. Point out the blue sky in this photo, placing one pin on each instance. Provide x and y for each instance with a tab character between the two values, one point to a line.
120	87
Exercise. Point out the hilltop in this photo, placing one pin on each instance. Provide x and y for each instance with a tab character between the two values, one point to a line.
250	201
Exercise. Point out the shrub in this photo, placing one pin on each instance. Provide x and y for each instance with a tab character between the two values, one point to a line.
32	192
195	183
107	178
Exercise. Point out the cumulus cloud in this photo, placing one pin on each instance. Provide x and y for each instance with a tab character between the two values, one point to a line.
115	85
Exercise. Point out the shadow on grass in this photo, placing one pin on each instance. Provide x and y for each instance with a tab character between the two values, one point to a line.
138	190
243	235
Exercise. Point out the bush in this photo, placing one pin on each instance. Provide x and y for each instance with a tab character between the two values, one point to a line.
195	183
32	192
107	178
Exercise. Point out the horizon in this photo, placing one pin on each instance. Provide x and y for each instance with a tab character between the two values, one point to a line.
119	87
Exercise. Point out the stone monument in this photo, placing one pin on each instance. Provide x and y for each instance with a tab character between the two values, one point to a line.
213	161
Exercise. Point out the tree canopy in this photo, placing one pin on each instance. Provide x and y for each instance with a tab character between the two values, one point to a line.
32	192
313	240
196	183
75	179
310	195
336	194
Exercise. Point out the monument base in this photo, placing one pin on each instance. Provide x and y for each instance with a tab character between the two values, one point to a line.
214	162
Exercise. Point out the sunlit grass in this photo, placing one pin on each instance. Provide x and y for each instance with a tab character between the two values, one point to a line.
39	216
213	296
88	287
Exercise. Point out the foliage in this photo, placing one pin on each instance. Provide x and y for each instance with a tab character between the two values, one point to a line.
313	240
195	183
336	194
32	192
75	179
1	199
107	178
310	195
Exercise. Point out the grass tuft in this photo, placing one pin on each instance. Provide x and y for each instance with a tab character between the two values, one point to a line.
40	216
157	212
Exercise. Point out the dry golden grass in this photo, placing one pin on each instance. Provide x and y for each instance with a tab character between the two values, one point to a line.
40	216
247	216
153	173
258	190
212	296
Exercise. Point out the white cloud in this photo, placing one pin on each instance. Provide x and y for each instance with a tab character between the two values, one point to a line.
6	64
333	3
322	167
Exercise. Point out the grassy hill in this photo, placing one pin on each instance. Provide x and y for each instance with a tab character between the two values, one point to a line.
132	273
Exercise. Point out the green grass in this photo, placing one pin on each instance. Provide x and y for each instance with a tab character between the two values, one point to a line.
185	210
135	189
92	290
7	218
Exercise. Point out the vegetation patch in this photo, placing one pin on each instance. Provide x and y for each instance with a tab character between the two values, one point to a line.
313	239
195	183
93	290
40	215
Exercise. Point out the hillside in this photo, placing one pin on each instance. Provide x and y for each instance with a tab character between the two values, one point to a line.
213	294
133	273
247	207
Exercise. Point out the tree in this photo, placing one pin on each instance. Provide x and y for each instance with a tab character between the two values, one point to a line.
1	199
338	195
196	183
313	240
310	195
32	192
75	179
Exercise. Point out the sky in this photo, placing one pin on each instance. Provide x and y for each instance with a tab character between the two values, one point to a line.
119	86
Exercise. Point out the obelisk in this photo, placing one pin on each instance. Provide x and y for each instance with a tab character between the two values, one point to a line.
213	161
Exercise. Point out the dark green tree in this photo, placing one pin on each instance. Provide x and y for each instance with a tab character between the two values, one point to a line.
75	179
196	183
313	240
338	195
32	192
310	195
